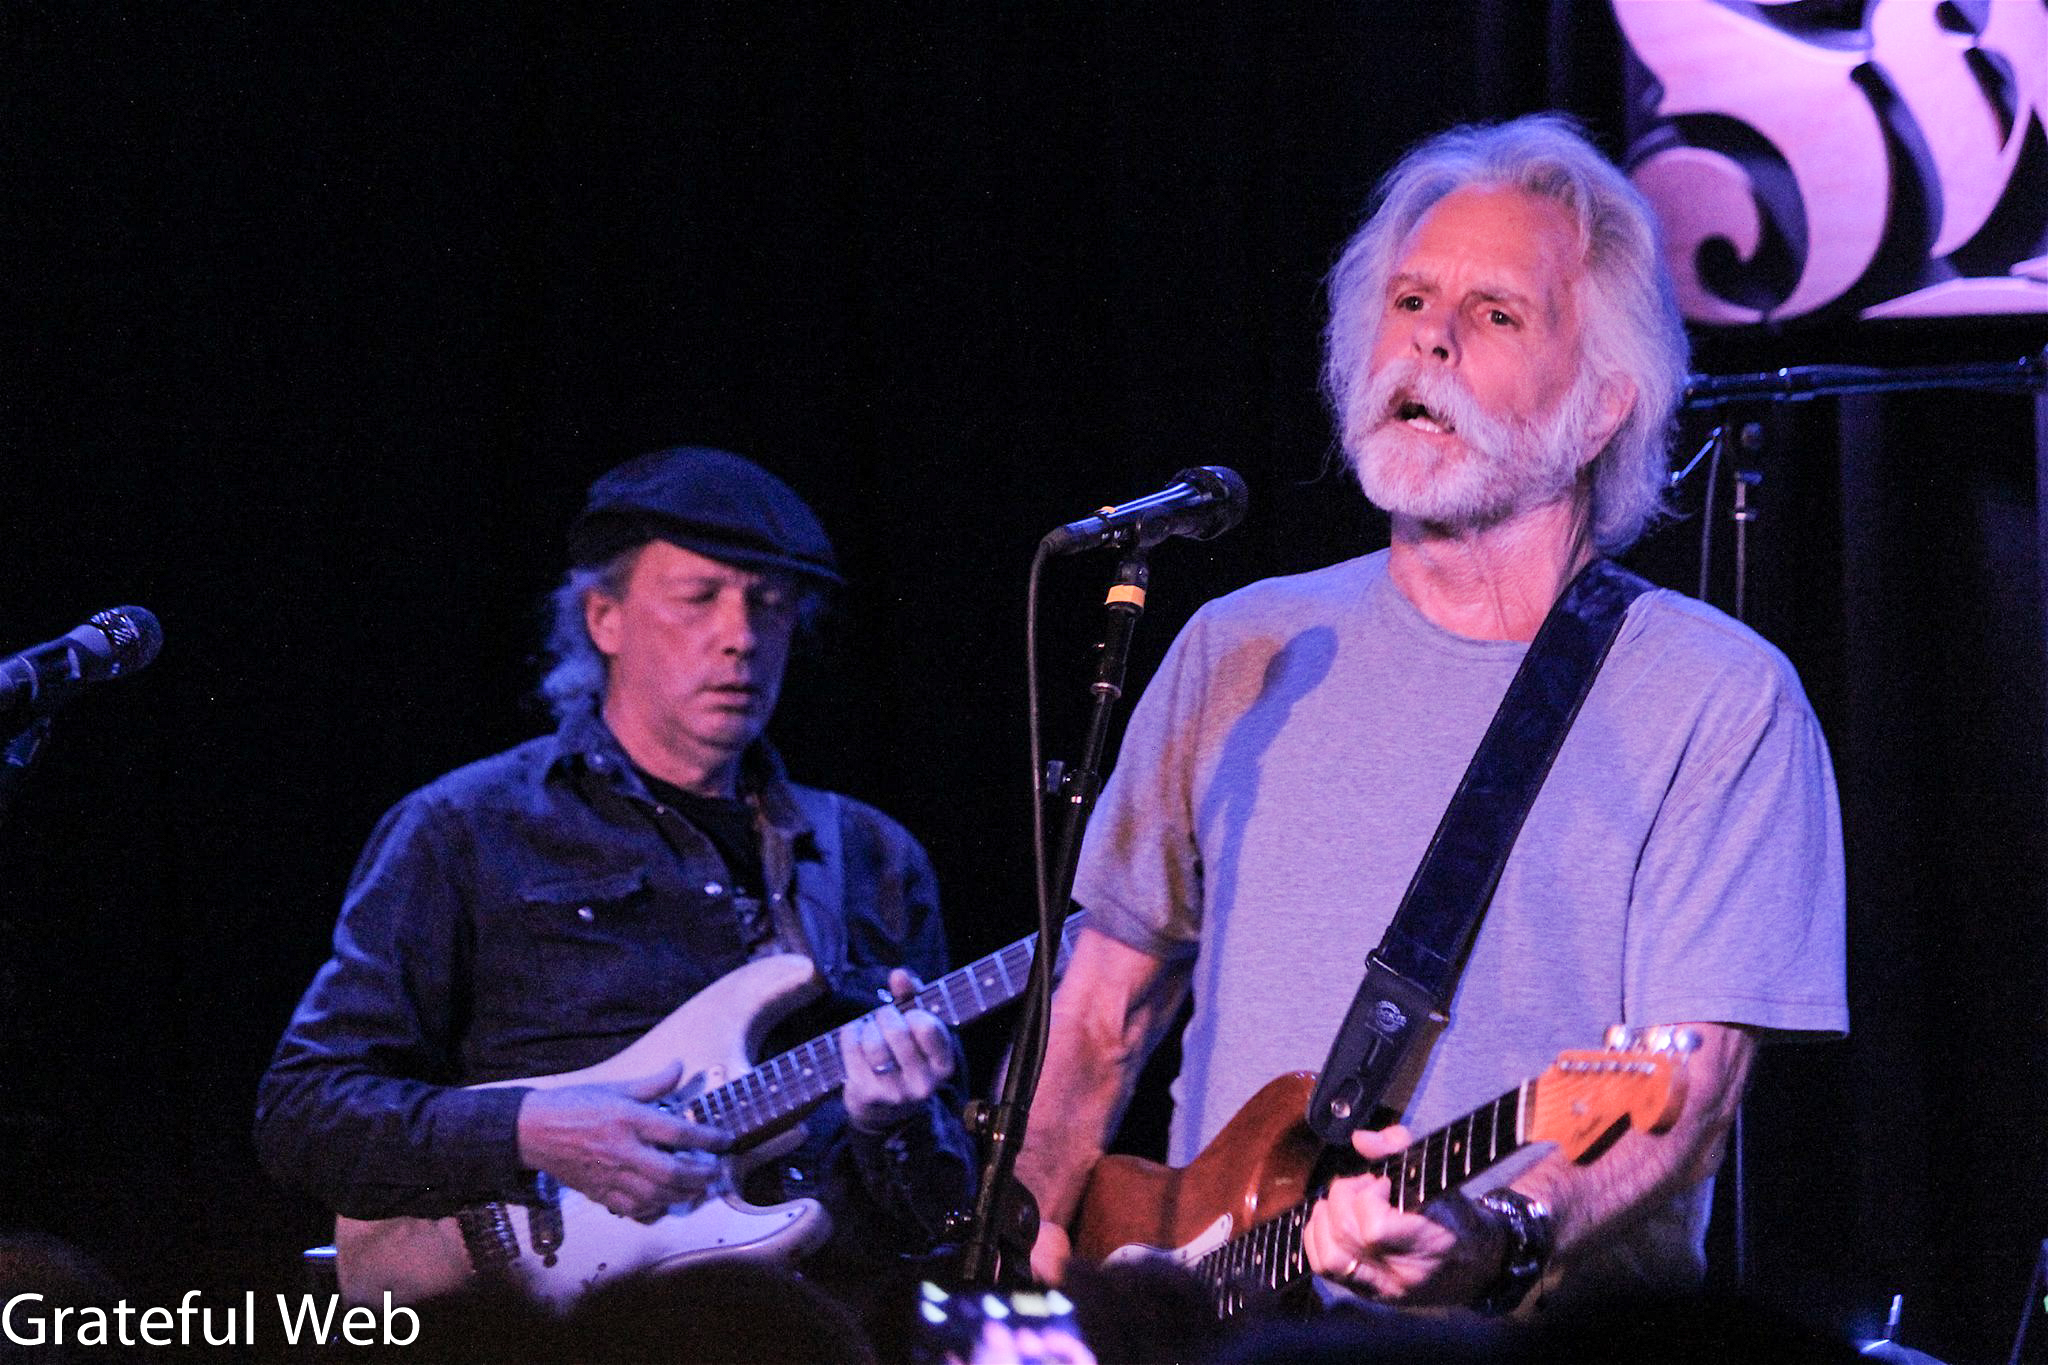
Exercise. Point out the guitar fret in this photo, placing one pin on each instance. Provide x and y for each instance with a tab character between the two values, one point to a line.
747	1104
949	999
807	1065
824	1067
1217	1264
768	1098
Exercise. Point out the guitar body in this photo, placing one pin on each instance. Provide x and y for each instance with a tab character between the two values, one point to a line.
715	1035
1260	1164
1236	1215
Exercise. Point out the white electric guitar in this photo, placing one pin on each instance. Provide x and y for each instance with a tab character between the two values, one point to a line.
563	1243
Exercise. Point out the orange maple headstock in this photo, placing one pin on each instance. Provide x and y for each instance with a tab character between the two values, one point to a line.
1587	1099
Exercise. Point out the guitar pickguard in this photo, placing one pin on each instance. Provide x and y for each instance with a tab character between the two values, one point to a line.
1211	1237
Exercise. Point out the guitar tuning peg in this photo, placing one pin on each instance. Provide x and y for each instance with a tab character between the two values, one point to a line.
1682	1042
1620	1038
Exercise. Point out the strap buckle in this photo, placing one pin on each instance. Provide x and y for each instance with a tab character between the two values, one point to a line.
1386	1016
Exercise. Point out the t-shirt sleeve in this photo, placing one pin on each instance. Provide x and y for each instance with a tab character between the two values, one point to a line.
1140	874
1738	911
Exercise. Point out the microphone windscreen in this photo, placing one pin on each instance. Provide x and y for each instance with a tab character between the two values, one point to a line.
135	636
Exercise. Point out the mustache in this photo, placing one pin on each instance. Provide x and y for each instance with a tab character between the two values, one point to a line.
1444	395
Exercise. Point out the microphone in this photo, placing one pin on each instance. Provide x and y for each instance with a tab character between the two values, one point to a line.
114	643
1200	503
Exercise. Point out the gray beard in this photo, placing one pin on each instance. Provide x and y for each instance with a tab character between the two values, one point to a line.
1497	468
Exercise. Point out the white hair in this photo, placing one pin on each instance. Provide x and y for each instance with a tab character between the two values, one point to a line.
1630	324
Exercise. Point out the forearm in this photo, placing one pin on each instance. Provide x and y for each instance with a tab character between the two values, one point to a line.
1591	1202
1108	1012
1081	1098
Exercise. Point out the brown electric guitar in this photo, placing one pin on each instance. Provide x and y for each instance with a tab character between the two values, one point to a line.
1235	1214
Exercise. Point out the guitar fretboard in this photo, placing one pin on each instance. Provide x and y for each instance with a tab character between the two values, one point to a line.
1269	1257
783	1087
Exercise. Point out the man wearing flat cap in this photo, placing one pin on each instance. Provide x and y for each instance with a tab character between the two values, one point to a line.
536	913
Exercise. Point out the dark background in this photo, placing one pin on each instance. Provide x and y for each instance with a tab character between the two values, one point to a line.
318	319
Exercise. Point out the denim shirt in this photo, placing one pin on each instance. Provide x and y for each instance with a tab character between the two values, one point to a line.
536	912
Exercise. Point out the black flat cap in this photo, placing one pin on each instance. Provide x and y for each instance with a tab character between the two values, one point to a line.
711	501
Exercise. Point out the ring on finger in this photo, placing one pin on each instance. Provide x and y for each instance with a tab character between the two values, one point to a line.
885	1068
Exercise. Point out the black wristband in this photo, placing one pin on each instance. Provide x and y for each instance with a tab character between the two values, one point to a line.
1530	1232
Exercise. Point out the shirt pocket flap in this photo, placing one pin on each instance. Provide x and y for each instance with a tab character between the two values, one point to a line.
585	892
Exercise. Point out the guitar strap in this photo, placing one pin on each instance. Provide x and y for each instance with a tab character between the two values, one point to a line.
1410	977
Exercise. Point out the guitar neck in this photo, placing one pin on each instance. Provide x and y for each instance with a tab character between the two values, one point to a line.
1269	1257
787	1085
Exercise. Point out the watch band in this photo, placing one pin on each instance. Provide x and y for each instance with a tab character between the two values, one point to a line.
1531	1231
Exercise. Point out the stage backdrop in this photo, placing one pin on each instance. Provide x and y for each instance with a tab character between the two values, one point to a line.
317	321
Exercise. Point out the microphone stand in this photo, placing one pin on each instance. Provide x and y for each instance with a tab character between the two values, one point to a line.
1002	1215
16	756
1798	384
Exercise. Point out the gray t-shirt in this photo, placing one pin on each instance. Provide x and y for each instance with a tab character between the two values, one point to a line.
1286	767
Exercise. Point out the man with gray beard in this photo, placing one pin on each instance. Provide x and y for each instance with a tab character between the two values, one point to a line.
1504	357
